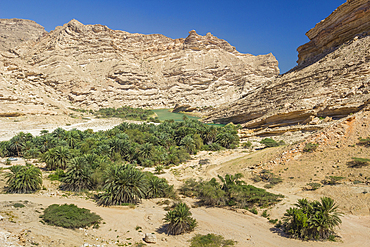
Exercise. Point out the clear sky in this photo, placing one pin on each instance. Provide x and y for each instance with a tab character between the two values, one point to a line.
255	27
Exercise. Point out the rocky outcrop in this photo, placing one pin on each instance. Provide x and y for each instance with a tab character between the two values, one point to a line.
92	66
346	22
335	86
15	31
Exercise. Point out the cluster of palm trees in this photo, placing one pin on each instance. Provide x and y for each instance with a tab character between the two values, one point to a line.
312	220
143	144
127	184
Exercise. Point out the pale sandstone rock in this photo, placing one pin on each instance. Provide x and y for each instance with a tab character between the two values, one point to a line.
348	20
92	66
150	238
335	86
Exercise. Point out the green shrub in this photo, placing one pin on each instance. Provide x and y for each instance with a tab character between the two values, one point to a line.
269	177
58	175
210	240
159	169
253	210
332	180
69	216
313	186
269	142
358	162
310	147
18	205
247	144
273	221
229	191
364	142
265	214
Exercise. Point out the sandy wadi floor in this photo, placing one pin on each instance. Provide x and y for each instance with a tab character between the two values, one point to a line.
121	221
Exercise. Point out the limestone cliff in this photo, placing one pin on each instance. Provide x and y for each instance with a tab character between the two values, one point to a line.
335	86
92	66
15	31
348	20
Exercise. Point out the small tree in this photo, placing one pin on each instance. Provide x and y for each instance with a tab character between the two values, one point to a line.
269	142
123	184
78	175
24	179
179	220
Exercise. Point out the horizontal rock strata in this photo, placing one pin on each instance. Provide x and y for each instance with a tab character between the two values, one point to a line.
92	66
335	86
348	20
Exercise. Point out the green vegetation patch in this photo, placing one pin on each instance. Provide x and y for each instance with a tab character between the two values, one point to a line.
313	186
332	180
58	175
211	240
312	220
358	162
69	216
268	177
179	220
23	179
230	191
125	112
18	205
269	142
310	147
365	142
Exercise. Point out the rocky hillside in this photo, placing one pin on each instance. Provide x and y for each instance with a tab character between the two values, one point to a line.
15	31
92	66
332	86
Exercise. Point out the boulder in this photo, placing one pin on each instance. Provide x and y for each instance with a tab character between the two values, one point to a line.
150	238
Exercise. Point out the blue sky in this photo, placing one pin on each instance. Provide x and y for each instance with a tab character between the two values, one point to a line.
255	27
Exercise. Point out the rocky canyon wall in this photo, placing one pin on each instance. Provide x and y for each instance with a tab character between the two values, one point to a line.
92	66
348	20
334	86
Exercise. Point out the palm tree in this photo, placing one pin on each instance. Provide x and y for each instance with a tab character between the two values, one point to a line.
312	220
50	158
23	179
179	220
123	184
145	150
16	143
63	156
189	144
326	217
157	187
57	157
78	175
230	180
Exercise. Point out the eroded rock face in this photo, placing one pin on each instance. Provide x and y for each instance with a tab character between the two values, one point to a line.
348	20
15	31
92	66
335	86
